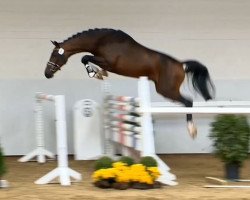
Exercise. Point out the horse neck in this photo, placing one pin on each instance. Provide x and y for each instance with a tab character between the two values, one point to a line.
79	44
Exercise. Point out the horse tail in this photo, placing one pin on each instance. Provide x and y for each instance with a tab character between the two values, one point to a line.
200	79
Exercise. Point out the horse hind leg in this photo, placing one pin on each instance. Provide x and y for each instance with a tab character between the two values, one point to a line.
172	92
192	130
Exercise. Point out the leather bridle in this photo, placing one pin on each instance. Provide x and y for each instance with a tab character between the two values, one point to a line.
53	66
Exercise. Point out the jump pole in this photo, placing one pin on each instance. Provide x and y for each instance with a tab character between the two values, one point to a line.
148	108
40	152
62	172
196	110
148	146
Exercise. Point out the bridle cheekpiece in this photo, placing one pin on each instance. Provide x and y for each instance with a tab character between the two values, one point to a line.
55	67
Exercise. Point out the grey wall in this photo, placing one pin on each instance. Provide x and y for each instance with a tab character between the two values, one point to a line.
17	113
216	33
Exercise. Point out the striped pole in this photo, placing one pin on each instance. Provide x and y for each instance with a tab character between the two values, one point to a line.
40	152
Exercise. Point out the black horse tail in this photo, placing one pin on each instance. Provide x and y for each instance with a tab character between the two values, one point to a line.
200	79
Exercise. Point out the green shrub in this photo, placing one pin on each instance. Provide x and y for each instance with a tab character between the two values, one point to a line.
103	163
230	135
148	161
128	160
2	164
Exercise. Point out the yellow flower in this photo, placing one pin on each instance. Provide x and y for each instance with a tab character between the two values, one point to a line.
120	166
123	173
154	172
146	179
122	176
103	174
138	167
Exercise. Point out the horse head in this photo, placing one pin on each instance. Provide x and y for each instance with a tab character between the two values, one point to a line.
57	59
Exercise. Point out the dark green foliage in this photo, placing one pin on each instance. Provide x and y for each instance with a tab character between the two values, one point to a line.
2	164
230	135
128	160
103	163
148	161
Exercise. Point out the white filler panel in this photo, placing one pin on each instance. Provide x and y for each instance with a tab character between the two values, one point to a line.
87	130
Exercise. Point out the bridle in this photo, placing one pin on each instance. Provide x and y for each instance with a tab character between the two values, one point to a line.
53	66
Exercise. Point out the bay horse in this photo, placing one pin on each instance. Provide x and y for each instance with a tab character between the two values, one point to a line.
117	52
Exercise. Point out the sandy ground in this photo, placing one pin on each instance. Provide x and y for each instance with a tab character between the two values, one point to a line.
190	171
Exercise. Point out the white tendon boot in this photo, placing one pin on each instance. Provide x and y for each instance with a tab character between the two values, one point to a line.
192	130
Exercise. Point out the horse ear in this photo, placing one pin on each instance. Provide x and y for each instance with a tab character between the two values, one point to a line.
56	44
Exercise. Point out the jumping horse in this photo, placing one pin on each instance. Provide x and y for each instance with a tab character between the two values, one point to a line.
117	52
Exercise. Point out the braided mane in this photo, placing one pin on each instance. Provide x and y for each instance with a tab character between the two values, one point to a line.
90	31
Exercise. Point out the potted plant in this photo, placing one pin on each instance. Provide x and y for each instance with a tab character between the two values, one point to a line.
2	169
230	135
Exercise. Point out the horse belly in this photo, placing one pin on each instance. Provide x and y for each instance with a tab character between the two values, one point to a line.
133	68
129	60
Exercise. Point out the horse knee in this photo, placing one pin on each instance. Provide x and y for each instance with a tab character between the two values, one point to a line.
84	60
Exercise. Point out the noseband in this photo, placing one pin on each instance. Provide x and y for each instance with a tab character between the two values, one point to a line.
54	67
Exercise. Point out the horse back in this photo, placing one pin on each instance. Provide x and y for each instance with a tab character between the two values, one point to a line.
129	58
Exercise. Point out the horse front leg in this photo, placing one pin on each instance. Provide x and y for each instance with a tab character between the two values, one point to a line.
100	74
93	71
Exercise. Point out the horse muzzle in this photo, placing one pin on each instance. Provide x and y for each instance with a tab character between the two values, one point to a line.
48	75
51	69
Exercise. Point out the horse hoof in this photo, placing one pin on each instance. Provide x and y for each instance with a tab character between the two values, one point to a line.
104	73
192	130
98	76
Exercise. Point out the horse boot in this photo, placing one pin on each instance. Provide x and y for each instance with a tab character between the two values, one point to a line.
192	130
90	71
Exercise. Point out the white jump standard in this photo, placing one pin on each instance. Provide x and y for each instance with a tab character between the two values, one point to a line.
220	107
147	130
147	110
40	152
62	172
128	127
